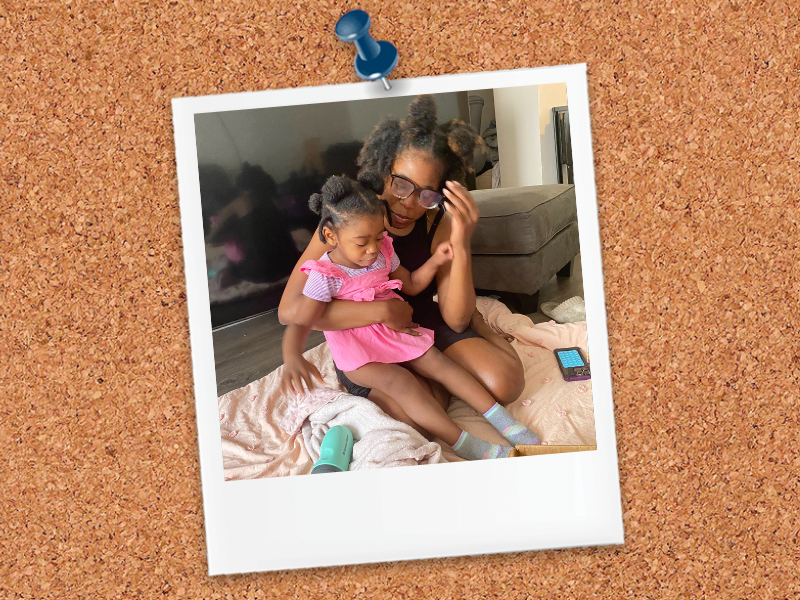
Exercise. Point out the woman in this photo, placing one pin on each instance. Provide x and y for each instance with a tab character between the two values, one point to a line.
424	164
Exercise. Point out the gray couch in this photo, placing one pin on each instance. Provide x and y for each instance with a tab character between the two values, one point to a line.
524	236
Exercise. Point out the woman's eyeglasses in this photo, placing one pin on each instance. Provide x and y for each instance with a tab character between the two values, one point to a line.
403	187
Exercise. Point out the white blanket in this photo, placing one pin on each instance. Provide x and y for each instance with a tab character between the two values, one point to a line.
380	441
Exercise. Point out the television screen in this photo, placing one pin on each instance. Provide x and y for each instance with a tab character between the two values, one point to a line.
258	169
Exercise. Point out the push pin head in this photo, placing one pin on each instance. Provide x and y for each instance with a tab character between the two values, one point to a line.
375	60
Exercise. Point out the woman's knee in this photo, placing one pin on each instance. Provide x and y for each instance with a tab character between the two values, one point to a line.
508	384
502	375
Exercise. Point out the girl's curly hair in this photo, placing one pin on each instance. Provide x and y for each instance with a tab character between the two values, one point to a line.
343	199
453	142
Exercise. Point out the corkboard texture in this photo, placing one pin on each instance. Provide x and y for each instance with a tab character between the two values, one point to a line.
695	112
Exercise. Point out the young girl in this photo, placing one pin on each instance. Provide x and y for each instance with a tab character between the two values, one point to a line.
362	266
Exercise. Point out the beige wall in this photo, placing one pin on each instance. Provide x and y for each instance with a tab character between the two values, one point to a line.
518	137
525	133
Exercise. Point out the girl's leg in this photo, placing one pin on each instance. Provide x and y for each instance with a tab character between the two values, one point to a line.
388	405
402	386
396	382
435	365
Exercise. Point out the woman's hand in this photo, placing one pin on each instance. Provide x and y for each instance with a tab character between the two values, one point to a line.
479	325
464	212
297	370
397	316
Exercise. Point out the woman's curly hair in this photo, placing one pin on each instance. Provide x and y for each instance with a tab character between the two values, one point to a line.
342	199
453	142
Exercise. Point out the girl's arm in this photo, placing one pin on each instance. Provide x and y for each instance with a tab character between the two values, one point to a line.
454	279
416	282
297	369
342	314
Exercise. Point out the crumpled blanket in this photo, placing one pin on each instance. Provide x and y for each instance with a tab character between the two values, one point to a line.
300	408
254	445
380	441
261	428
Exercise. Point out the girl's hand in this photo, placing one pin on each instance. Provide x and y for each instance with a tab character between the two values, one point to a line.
464	210
397	316
297	370
444	253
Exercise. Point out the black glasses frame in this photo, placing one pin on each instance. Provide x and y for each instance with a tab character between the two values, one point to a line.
418	189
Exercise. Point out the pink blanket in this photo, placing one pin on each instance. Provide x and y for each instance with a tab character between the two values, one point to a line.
254	445
560	412
266	434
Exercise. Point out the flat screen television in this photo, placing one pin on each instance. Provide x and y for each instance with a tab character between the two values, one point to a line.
257	170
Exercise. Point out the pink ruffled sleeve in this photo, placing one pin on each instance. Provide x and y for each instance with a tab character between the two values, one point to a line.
325	279
387	249
322	287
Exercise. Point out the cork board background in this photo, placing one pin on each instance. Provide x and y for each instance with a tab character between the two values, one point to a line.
694	123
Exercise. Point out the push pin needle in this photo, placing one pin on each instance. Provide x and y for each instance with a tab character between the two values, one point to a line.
375	60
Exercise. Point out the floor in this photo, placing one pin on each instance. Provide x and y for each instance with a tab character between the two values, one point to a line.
248	350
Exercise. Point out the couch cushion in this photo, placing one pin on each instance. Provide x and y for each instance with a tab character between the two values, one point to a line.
521	220
526	273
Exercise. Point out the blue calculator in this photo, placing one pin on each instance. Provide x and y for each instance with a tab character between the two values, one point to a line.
572	363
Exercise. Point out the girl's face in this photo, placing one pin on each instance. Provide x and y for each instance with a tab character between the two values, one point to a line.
424	171
357	244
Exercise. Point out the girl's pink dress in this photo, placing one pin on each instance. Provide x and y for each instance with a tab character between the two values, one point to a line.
353	348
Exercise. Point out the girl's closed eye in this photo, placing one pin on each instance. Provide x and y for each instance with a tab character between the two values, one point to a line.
380	239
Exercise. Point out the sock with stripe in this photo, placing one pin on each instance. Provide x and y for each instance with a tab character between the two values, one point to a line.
469	447
511	429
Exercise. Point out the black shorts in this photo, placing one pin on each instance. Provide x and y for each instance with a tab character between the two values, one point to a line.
443	338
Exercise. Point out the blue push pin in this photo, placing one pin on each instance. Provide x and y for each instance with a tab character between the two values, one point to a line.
375	60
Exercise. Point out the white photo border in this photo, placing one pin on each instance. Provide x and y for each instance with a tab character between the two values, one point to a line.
536	503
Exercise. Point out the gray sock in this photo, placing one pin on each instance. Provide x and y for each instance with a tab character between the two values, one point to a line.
469	447
511	429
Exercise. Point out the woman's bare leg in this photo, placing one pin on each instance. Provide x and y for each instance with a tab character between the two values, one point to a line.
491	360
402	386
436	389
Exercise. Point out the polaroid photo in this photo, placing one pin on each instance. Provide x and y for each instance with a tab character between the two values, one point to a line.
397	320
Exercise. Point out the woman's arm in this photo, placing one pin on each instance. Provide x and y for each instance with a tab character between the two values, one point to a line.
454	279
342	314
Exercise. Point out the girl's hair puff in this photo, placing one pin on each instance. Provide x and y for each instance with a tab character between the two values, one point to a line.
341	200
453	142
